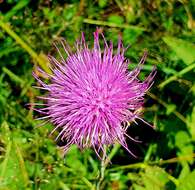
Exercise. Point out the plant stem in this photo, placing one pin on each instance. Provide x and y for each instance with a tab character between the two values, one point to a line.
176	113
14	77
112	153
110	24
104	162
177	75
151	163
24	45
102	170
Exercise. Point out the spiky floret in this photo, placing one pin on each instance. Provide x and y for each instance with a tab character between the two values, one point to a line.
91	94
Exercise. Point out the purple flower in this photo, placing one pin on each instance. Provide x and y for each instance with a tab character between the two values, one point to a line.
92	96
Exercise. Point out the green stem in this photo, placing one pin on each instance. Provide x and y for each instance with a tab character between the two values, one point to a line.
177	75
104	163
110	24
24	45
112	153
159	162
176	113
88	183
13	76
120	5
102	170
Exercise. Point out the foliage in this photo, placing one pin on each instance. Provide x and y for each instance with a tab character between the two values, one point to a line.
29	157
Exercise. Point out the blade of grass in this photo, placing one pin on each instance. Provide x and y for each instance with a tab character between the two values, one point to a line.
22	165
24	45
88	183
13	76
110	24
21	4
12	146
7	155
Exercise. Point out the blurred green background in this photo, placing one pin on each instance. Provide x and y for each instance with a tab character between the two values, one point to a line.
30	159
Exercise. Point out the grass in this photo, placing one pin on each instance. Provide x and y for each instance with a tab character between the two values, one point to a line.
29	157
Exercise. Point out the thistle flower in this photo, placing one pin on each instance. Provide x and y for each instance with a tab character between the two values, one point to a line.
92	96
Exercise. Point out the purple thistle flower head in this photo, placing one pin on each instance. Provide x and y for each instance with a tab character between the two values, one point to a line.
92	96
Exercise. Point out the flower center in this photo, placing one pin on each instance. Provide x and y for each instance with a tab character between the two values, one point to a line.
100	103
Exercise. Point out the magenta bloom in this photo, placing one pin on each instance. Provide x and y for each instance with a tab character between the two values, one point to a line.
92	96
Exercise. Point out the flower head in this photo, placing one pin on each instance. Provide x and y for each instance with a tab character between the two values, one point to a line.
92	96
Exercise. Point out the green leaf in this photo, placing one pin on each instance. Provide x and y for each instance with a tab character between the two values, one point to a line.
181	139
102	3
69	12
187	183
187	151
13	174
185	171
170	108
130	35
7	50
77	165
20	5
183	49
138	187
116	19
190	124
130	16
153	178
